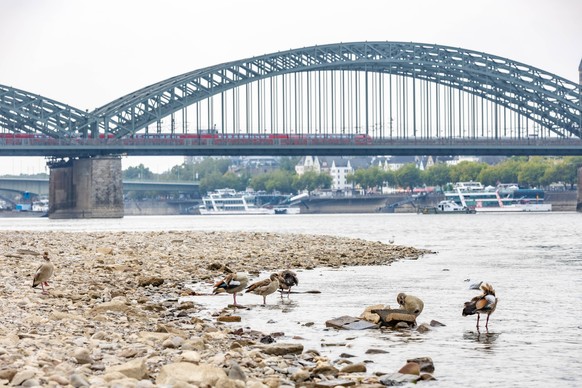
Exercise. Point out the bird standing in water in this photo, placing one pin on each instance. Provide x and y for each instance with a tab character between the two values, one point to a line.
287	279
265	287
482	304
43	273
232	283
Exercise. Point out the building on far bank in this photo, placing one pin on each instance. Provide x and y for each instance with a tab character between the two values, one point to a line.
337	167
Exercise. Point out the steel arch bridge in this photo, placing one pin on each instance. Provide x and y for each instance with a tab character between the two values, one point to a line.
336	88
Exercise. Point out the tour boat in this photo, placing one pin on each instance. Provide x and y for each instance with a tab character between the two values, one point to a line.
230	202
503	198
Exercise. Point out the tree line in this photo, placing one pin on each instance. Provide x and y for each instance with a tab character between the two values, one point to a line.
215	174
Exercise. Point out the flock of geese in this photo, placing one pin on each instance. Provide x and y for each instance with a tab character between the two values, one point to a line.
234	283
237	282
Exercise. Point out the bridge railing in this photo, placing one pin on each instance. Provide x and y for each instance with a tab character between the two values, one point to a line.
286	140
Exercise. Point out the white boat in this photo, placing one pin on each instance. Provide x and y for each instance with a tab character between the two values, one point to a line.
286	210
449	206
503	198
40	206
230	202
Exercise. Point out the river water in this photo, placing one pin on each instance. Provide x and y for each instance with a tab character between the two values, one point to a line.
533	260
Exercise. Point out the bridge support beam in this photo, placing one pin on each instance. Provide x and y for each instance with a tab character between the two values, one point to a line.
86	188
579	198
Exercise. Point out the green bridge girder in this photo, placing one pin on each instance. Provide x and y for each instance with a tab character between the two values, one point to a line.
40	186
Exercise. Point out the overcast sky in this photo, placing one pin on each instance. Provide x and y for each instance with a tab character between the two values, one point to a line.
86	53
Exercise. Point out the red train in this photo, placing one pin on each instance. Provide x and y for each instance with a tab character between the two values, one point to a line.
202	138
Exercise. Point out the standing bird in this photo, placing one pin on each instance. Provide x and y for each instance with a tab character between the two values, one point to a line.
410	303
43	273
482	304
232	283
265	287
287	279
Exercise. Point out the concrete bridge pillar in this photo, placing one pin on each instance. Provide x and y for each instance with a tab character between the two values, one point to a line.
86	188
579	198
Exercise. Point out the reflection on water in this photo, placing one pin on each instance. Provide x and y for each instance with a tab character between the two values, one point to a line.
486	339
533	261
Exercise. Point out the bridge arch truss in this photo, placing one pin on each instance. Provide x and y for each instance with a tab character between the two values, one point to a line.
383	89
380	88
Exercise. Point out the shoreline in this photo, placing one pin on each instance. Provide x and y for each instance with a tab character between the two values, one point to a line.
112	315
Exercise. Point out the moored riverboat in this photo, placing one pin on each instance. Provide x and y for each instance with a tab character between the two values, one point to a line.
503	198
230	202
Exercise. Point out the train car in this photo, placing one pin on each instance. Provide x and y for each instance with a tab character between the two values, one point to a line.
201	138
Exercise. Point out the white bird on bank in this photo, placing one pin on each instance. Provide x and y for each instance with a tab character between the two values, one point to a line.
265	287
232	283
43	273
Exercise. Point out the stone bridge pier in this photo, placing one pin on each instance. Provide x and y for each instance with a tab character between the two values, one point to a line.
579	198
86	188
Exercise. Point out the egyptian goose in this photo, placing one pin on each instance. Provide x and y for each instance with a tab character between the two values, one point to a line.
43	273
482	304
410	303
287	279
232	283
265	287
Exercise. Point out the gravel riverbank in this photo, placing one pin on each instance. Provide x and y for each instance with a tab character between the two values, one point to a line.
112	316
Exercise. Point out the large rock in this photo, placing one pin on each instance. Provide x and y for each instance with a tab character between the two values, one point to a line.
395	379
369	316
359	367
281	349
8	374
114	305
425	363
22	376
185	372
154	336
334	383
410	368
350	323
145	281
82	356
135	369
392	317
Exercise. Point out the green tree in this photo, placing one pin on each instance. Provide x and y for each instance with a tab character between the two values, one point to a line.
571	166
437	175
408	176
466	171
232	180
532	172
259	182
371	178
139	172
288	163
212	182
281	180
203	168
311	180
